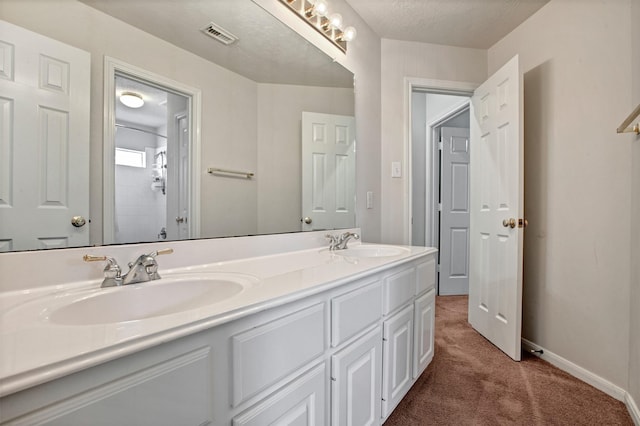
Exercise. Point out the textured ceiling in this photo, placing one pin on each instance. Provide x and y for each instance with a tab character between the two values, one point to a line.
463	23
267	51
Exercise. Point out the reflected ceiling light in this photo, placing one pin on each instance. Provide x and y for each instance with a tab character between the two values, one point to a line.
321	8
131	99
335	20
349	34
316	13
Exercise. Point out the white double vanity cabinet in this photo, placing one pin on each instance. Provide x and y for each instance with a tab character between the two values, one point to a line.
336	340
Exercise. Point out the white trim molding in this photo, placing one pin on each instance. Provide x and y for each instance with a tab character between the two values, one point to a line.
426	85
578	372
634	412
111	67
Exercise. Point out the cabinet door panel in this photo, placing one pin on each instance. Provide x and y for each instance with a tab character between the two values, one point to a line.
424	327
355	385
300	403
397	358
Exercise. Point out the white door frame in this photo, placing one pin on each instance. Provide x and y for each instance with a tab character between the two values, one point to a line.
424	84
111	67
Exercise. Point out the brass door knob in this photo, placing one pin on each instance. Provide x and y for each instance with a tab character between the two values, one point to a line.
307	220
509	223
78	221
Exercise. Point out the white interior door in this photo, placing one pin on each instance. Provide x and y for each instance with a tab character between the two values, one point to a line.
328	171
497	195
454	222
178	179
44	141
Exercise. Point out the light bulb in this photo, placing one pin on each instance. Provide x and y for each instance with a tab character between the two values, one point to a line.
349	34
335	19
321	8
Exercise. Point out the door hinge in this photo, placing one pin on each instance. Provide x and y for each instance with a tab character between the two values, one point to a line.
438	268
439	207
440	145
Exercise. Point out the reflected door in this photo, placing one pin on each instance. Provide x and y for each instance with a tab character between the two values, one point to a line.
454	222
44	142
497	196
328	171
178	178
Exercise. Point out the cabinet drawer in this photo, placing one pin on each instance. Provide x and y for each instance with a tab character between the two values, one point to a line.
301	402
399	288
353	312
426	275
269	353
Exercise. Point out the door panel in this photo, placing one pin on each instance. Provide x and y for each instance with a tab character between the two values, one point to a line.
454	234
497	194
423	339
44	141
397	358
355	382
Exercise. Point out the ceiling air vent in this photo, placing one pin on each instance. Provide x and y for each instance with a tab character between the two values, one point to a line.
219	33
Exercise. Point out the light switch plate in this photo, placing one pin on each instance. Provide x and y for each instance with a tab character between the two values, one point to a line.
396	169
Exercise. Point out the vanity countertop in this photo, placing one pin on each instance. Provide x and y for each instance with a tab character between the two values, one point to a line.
34	349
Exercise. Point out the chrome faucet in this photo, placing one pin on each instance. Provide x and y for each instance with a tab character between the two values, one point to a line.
339	242
144	268
333	241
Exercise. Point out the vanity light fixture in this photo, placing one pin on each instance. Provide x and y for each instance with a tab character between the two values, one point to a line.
330	25
131	99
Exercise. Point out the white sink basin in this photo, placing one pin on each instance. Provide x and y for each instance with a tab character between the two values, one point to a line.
371	250
166	296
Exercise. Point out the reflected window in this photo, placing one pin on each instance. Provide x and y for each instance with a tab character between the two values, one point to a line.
131	158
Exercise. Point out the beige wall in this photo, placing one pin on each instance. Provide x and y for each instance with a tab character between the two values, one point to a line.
279	148
402	59
634	300
363	59
577	74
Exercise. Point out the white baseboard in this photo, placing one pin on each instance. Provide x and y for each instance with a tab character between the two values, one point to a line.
575	370
633	409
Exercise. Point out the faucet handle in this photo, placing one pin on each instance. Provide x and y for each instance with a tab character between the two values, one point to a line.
112	271
162	251
93	258
111	267
151	268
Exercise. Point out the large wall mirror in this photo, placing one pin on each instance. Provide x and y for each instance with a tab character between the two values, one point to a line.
251	96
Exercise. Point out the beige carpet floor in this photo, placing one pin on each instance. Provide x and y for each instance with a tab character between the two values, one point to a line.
471	382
